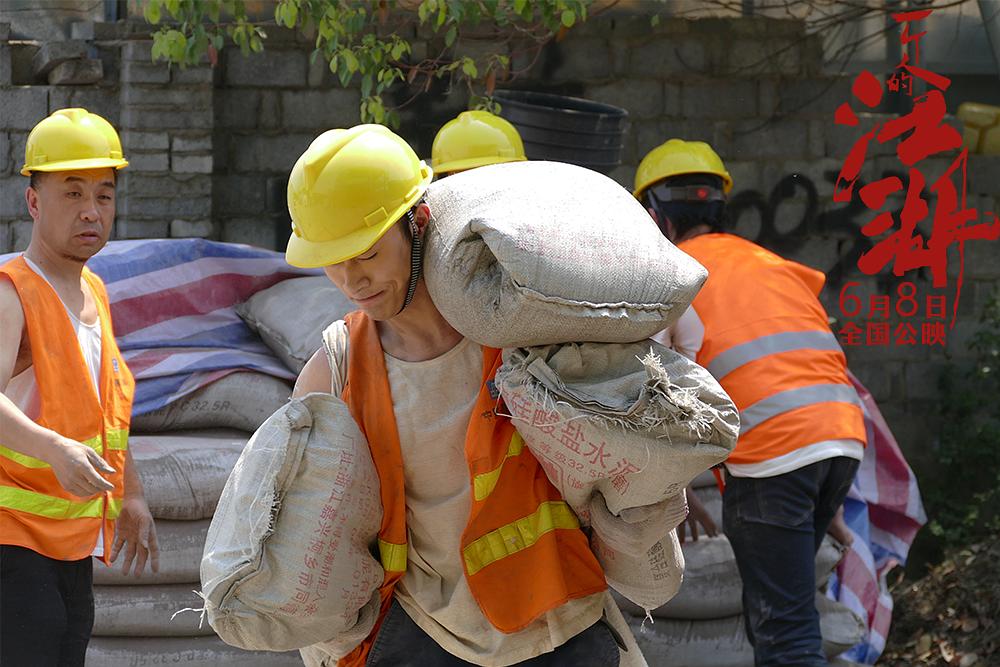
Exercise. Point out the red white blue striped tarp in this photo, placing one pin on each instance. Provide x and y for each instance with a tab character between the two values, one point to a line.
884	512
172	305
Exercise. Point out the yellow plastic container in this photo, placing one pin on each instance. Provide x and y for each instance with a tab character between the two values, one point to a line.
982	127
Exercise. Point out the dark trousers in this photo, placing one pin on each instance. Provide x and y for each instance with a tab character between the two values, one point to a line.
46	609
401	643
775	525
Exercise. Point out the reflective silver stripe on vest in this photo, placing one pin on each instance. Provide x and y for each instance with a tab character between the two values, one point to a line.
791	399
738	355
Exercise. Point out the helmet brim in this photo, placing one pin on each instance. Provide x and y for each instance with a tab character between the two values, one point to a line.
73	165
472	163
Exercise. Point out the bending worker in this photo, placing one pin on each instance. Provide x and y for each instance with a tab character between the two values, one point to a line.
421	393
68	488
758	326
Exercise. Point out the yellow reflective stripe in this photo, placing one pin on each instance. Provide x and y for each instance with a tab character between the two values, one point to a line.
393	556
32	462
118	438
518	535
114	508
49	506
96	444
484	483
23	459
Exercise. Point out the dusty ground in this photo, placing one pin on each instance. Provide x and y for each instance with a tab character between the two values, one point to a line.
952	615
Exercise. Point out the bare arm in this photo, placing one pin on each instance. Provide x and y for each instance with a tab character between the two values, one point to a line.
76	466
135	531
315	376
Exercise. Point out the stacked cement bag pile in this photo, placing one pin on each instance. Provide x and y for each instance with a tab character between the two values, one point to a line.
183	474
702	626
562	268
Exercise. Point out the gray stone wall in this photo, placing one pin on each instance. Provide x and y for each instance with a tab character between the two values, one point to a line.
211	149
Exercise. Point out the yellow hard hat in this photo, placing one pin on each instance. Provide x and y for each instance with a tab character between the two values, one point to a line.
72	139
347	190
677	157
475	139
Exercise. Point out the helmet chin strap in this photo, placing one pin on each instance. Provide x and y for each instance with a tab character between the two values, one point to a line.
416	259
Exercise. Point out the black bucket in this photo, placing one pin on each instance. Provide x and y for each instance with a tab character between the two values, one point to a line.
566	129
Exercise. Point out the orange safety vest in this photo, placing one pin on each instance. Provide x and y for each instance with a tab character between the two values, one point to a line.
35	511
522	548
768	343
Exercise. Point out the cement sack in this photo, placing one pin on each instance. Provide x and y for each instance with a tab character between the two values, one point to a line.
183	474
536	253
648	580
723	642
287	561
146	611
181	544
290	317
185	651
240	400
633	422
712	587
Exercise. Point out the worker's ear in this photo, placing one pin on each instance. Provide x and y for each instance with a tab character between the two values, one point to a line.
422	215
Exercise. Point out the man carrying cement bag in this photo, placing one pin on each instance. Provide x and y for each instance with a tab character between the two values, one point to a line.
760	329
485	563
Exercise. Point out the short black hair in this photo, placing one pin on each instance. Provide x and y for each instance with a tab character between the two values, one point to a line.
35	177
685	215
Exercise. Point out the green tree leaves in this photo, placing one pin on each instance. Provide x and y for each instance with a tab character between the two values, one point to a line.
369	39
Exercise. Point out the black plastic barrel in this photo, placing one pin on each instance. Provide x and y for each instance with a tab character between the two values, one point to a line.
566	129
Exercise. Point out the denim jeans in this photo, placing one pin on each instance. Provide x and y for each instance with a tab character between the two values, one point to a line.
401	643
775	525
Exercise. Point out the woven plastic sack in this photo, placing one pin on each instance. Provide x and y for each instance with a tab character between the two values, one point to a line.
535	253
639	551
240	400
287	561
634	422
183	473
290	317
143	610
186	651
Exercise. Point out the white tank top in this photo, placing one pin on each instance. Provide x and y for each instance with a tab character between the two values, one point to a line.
22	389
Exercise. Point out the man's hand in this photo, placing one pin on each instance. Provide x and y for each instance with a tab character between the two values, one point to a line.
135	532
838	529
697	514
78	467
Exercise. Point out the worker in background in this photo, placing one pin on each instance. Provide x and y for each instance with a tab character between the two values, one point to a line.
68	487
421	394
474	139
758	326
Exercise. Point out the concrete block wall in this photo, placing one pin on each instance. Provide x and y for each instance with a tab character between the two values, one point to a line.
269	107
166	126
